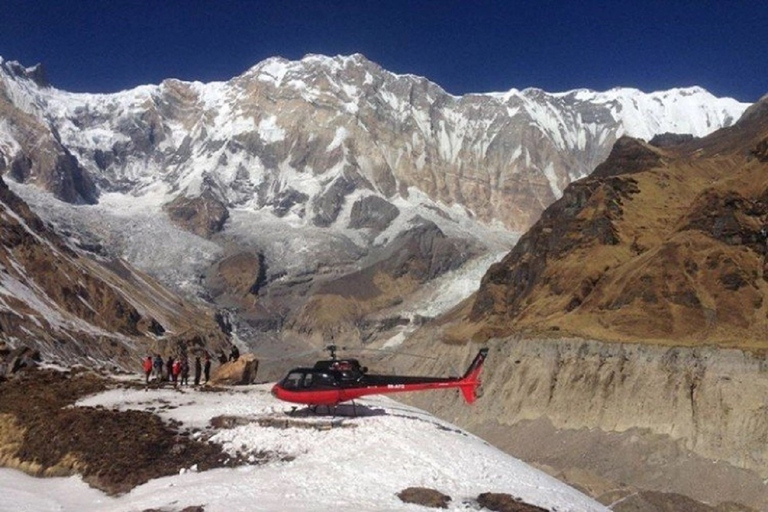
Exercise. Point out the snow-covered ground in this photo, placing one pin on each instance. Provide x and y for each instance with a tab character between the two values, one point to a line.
356	464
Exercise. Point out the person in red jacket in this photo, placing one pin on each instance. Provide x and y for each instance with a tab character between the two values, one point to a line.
147	365
175	371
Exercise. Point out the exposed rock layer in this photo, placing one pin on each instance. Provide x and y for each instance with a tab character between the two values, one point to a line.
709	402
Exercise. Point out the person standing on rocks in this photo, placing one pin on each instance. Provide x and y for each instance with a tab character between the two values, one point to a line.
169	368
198	370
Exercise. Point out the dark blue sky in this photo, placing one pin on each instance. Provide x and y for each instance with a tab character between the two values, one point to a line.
469	46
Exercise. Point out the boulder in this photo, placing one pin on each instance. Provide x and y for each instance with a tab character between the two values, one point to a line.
234	373
425	497
502	502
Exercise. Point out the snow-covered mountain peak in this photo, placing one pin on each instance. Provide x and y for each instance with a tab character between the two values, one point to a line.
332	149
34	73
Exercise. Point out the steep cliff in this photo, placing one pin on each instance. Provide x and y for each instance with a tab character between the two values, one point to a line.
672	419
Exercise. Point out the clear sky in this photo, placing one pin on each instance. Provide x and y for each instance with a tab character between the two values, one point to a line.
463	46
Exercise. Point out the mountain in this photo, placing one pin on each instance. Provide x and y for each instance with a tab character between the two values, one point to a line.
296	137
389	457
330	200
316	198
66	299
627	326
664	242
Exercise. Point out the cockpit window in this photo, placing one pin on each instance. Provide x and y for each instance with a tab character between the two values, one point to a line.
309	380
293	380
323	380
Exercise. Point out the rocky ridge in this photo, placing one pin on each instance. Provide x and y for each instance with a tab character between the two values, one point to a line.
351	130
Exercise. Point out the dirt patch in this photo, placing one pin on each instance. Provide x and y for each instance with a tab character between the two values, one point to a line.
500	502
425	497
113	450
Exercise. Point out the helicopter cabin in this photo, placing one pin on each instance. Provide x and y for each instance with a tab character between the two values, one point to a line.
325	375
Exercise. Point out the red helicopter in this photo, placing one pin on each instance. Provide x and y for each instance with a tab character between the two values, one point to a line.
333	381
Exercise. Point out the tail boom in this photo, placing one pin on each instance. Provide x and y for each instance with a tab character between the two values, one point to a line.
471	380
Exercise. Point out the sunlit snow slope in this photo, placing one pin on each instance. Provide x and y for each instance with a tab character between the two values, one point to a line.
358	465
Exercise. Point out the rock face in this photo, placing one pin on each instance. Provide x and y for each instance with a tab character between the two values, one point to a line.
672	419
30	148
348	129
665	244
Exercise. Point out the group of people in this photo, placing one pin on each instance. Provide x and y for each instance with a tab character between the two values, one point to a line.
176	370
234	355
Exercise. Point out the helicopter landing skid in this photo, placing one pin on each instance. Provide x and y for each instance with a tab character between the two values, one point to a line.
324	410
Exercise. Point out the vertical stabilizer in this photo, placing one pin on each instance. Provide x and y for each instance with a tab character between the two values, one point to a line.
471	380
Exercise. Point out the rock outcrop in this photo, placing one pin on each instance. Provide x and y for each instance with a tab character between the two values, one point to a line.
236	373
203	215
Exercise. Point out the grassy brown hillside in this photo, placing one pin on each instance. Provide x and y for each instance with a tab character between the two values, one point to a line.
663	243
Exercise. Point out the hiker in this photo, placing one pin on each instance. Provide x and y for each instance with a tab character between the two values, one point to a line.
198	369
184	371
169	367
207	368
235	354
147	368
158	364
175	371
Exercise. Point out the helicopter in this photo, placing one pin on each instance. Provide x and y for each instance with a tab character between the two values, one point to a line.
331	382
